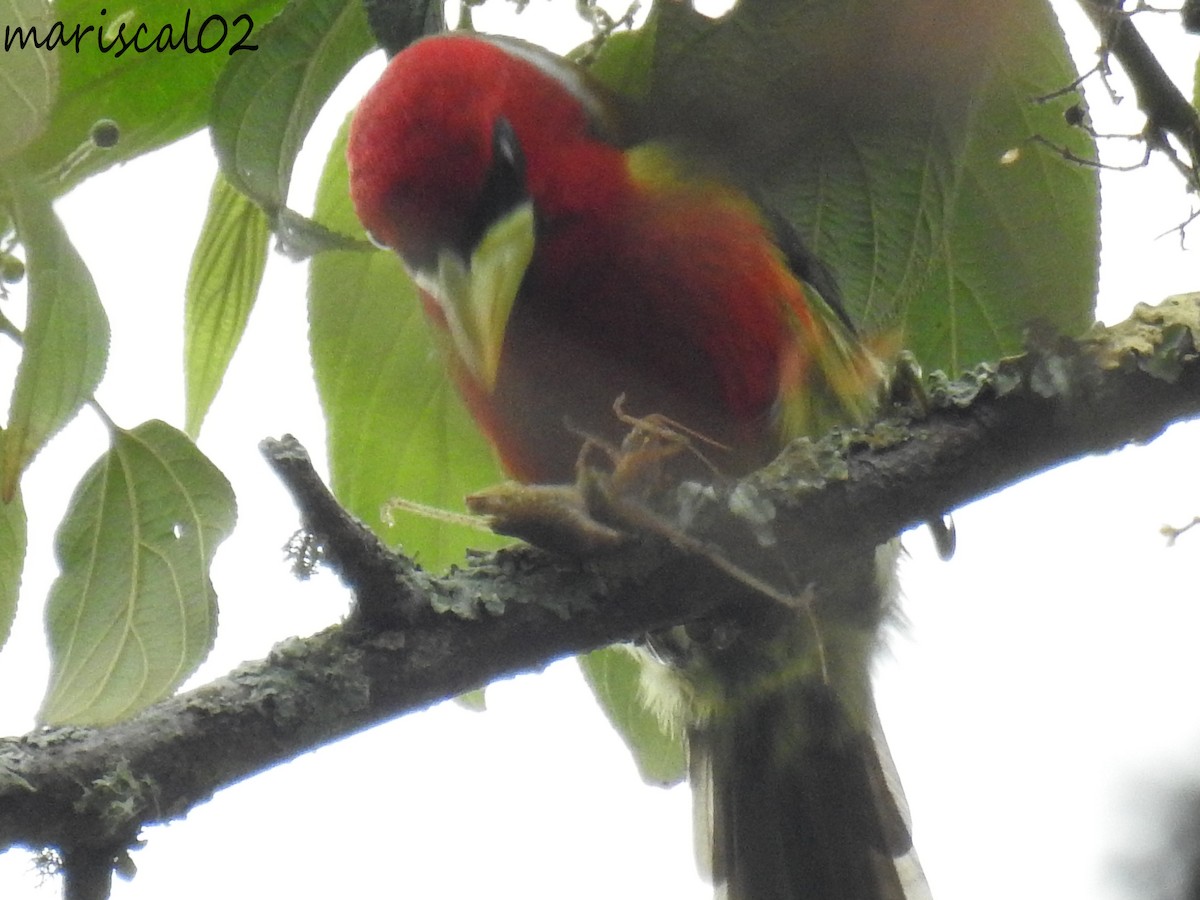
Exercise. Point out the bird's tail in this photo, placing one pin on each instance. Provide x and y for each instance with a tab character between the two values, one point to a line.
785	815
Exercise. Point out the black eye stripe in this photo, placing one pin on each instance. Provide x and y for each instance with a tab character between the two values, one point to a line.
506	150
503	188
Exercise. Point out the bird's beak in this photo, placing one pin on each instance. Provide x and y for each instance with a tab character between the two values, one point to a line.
477	295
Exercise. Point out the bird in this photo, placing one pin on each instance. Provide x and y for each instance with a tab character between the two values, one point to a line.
564	259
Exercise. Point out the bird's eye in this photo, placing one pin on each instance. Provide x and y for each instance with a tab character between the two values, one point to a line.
503	187
376	241
506	151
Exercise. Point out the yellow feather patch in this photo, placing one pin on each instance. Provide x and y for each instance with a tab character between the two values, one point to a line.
832	378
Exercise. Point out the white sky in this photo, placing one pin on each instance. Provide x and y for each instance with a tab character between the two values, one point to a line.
1041	695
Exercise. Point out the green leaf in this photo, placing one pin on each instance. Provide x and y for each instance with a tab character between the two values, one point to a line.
881	130
884	142
473	701
266	101
226	271
1022	227
65	340
625	62
613	674
1196	87
397	427
28	77
13	539
133	612
154	97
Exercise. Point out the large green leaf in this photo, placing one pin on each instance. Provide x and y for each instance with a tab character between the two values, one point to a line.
265	102
133	612
66	335
901	138
614	675
397	428
1022	231
1196	86
13	539
227	269
28	77
154	97
882	130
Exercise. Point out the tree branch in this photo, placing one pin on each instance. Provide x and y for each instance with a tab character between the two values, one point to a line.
1167	110
418	639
